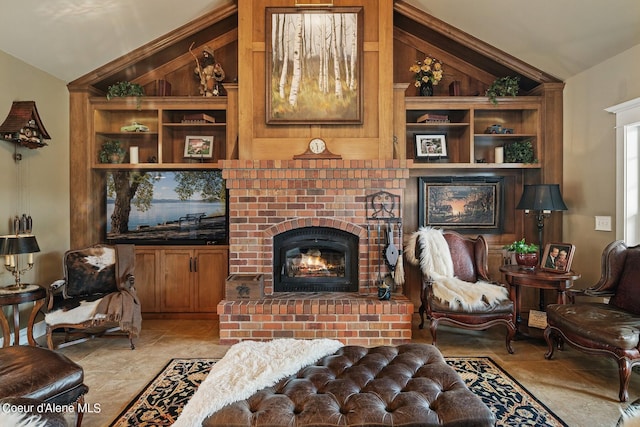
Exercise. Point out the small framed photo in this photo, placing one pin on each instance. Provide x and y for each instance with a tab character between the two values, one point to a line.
430	147
557	257
198	146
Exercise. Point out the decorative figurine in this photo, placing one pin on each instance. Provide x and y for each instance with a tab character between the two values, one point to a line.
209	72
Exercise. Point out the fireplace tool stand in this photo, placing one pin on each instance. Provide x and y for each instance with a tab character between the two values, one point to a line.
383	210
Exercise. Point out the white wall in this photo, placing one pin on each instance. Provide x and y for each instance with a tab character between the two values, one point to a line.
46	170
589	155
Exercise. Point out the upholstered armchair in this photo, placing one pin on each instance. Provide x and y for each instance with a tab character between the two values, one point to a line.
604	328
97	296
456	288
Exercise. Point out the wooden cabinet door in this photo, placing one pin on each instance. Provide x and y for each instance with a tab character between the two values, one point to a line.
211	273
176	288
147	279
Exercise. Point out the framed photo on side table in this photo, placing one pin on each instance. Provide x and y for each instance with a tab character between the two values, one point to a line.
557	257
198	147
430	147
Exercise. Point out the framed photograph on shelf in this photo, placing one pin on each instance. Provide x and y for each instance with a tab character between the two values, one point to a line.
557	257
198	147
430	147
466	205
326	44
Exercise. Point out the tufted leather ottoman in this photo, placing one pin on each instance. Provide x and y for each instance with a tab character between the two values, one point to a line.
407	385
41	374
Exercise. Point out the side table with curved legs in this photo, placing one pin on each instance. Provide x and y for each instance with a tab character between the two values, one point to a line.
518	277
11	296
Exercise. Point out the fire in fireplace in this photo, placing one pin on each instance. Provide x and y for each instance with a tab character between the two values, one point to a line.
315	259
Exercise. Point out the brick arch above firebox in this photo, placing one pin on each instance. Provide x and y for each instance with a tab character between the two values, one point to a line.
295	223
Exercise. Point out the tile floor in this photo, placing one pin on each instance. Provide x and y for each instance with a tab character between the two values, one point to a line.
580	389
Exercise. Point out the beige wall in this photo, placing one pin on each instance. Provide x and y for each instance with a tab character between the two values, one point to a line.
589	155
45	170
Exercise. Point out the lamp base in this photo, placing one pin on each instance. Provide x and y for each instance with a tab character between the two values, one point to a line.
16	288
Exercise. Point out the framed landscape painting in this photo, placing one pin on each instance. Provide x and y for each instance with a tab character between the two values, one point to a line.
314	65
469	204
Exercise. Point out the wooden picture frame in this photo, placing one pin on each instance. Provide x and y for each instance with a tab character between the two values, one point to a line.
430	147
303	39
198	147
557	257
469	204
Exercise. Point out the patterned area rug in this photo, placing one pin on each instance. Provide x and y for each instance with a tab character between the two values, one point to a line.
160	403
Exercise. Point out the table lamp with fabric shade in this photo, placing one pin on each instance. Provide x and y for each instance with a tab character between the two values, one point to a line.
542	199
13	245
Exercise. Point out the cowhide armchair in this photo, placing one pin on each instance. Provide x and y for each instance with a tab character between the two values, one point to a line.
97	296
604	328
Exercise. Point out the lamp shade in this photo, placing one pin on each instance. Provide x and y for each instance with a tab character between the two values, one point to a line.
542	197
20	244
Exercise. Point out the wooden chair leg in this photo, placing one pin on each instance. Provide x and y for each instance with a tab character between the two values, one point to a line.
421	310
433	326
624	369
79	410
511	333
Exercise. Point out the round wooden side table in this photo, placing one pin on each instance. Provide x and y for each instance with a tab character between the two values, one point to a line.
519	277
12	296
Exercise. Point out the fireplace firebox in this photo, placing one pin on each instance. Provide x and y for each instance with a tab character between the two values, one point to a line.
315	259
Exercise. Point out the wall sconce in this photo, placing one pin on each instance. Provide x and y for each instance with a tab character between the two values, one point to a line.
542	199
13	245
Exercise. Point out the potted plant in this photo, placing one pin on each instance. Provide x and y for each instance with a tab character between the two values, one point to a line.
503	86
121	89
519	152
111	152
526	254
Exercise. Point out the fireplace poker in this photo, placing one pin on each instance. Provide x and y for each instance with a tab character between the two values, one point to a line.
399	273
368	254
380	281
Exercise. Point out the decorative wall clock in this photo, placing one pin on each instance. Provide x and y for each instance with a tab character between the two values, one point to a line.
317	149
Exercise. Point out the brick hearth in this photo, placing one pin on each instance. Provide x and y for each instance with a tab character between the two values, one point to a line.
351	318
269	197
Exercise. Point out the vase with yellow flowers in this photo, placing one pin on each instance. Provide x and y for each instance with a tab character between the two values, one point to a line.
428	73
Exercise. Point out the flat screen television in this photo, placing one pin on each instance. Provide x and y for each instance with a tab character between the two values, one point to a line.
166	207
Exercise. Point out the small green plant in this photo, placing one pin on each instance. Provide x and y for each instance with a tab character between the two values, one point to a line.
111	152
503	86
519	152
121	89
522	247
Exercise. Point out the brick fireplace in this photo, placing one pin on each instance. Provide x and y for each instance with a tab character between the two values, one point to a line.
271	197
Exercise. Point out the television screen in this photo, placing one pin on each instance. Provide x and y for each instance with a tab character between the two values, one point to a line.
166	207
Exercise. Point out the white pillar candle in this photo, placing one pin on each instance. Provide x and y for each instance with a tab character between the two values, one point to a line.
12	261
133	155
499	155
30	258
7	259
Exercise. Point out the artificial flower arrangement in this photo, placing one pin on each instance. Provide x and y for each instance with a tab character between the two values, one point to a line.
428	70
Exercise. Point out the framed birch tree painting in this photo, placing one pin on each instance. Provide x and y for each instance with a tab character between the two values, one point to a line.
314	65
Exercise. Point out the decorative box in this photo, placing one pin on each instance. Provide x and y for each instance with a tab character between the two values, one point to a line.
244	286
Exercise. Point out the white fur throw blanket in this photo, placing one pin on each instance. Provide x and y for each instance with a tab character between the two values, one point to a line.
435	263
250	366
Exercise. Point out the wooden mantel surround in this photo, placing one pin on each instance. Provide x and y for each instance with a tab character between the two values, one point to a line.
270	191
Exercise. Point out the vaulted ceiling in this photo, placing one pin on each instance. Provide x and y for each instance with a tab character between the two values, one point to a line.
70	38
